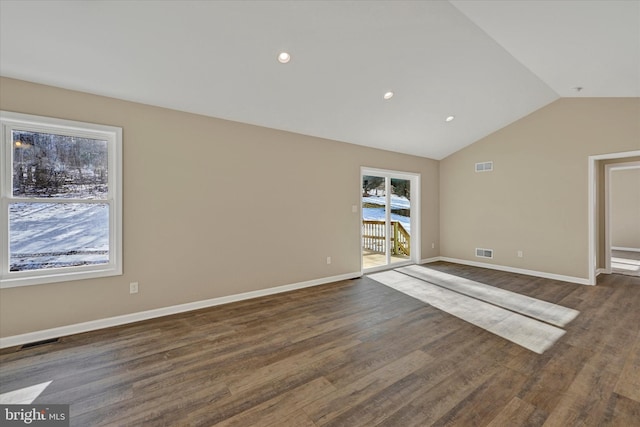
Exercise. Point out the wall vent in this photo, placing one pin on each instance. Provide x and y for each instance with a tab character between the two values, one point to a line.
484	167
484	253
39	343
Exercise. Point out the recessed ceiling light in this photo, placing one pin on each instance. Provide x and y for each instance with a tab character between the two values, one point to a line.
284	57
388	95
449	119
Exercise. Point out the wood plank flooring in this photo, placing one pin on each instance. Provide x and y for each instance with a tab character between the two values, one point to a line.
353	353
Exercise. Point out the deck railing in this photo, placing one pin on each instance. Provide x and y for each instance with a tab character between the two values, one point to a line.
373	237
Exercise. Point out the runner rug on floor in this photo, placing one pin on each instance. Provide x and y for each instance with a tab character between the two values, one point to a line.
525	331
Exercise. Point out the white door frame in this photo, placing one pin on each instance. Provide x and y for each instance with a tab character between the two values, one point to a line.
414	178
593	207
608	170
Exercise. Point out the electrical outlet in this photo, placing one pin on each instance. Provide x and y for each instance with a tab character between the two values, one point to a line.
520	254
433	246
133	287
328	260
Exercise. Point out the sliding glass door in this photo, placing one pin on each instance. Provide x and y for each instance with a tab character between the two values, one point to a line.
374	222
387	200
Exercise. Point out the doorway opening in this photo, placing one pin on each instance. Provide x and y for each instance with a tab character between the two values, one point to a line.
596	239
622	213
389	220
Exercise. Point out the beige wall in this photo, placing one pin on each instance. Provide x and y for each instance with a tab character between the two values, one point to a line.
625	208
192	186
535	200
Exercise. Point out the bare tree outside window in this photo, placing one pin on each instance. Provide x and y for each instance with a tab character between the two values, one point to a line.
48	165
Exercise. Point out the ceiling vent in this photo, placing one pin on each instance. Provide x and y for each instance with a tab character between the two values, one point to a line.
484	253
484	167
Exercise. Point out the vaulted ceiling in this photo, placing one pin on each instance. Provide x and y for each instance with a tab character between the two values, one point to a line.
487	63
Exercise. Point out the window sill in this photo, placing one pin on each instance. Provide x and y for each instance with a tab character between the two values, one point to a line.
56	277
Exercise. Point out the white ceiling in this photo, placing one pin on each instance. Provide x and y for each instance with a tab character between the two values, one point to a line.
488	63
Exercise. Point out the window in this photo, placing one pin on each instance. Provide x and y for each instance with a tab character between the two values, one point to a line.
61	200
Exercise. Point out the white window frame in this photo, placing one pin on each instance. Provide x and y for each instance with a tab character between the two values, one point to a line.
10	121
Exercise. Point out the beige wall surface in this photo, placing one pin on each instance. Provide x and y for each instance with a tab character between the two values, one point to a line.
625	208
211	208
536	199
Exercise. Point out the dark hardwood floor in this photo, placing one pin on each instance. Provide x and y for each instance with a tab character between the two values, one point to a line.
353	353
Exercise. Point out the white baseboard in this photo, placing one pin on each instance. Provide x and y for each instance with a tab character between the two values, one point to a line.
428	260
571	279
159	312
600	271
618	248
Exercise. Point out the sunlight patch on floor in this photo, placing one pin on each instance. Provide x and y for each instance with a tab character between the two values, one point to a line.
627	265
532	334
547	312
23	396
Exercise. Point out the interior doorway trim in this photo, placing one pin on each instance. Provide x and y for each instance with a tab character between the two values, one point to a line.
608	169
416	244
593	206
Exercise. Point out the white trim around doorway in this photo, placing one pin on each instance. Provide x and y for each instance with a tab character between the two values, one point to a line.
608	170
593	206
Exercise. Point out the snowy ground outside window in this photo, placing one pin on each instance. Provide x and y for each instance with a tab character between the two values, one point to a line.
378	214
52	235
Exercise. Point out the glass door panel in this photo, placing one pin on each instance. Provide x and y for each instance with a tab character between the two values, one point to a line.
375	237
400	220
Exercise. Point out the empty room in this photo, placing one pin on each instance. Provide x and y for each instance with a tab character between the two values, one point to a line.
320	213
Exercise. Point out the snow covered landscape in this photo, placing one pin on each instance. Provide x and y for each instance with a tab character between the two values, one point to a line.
51	235
60	215
378	213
